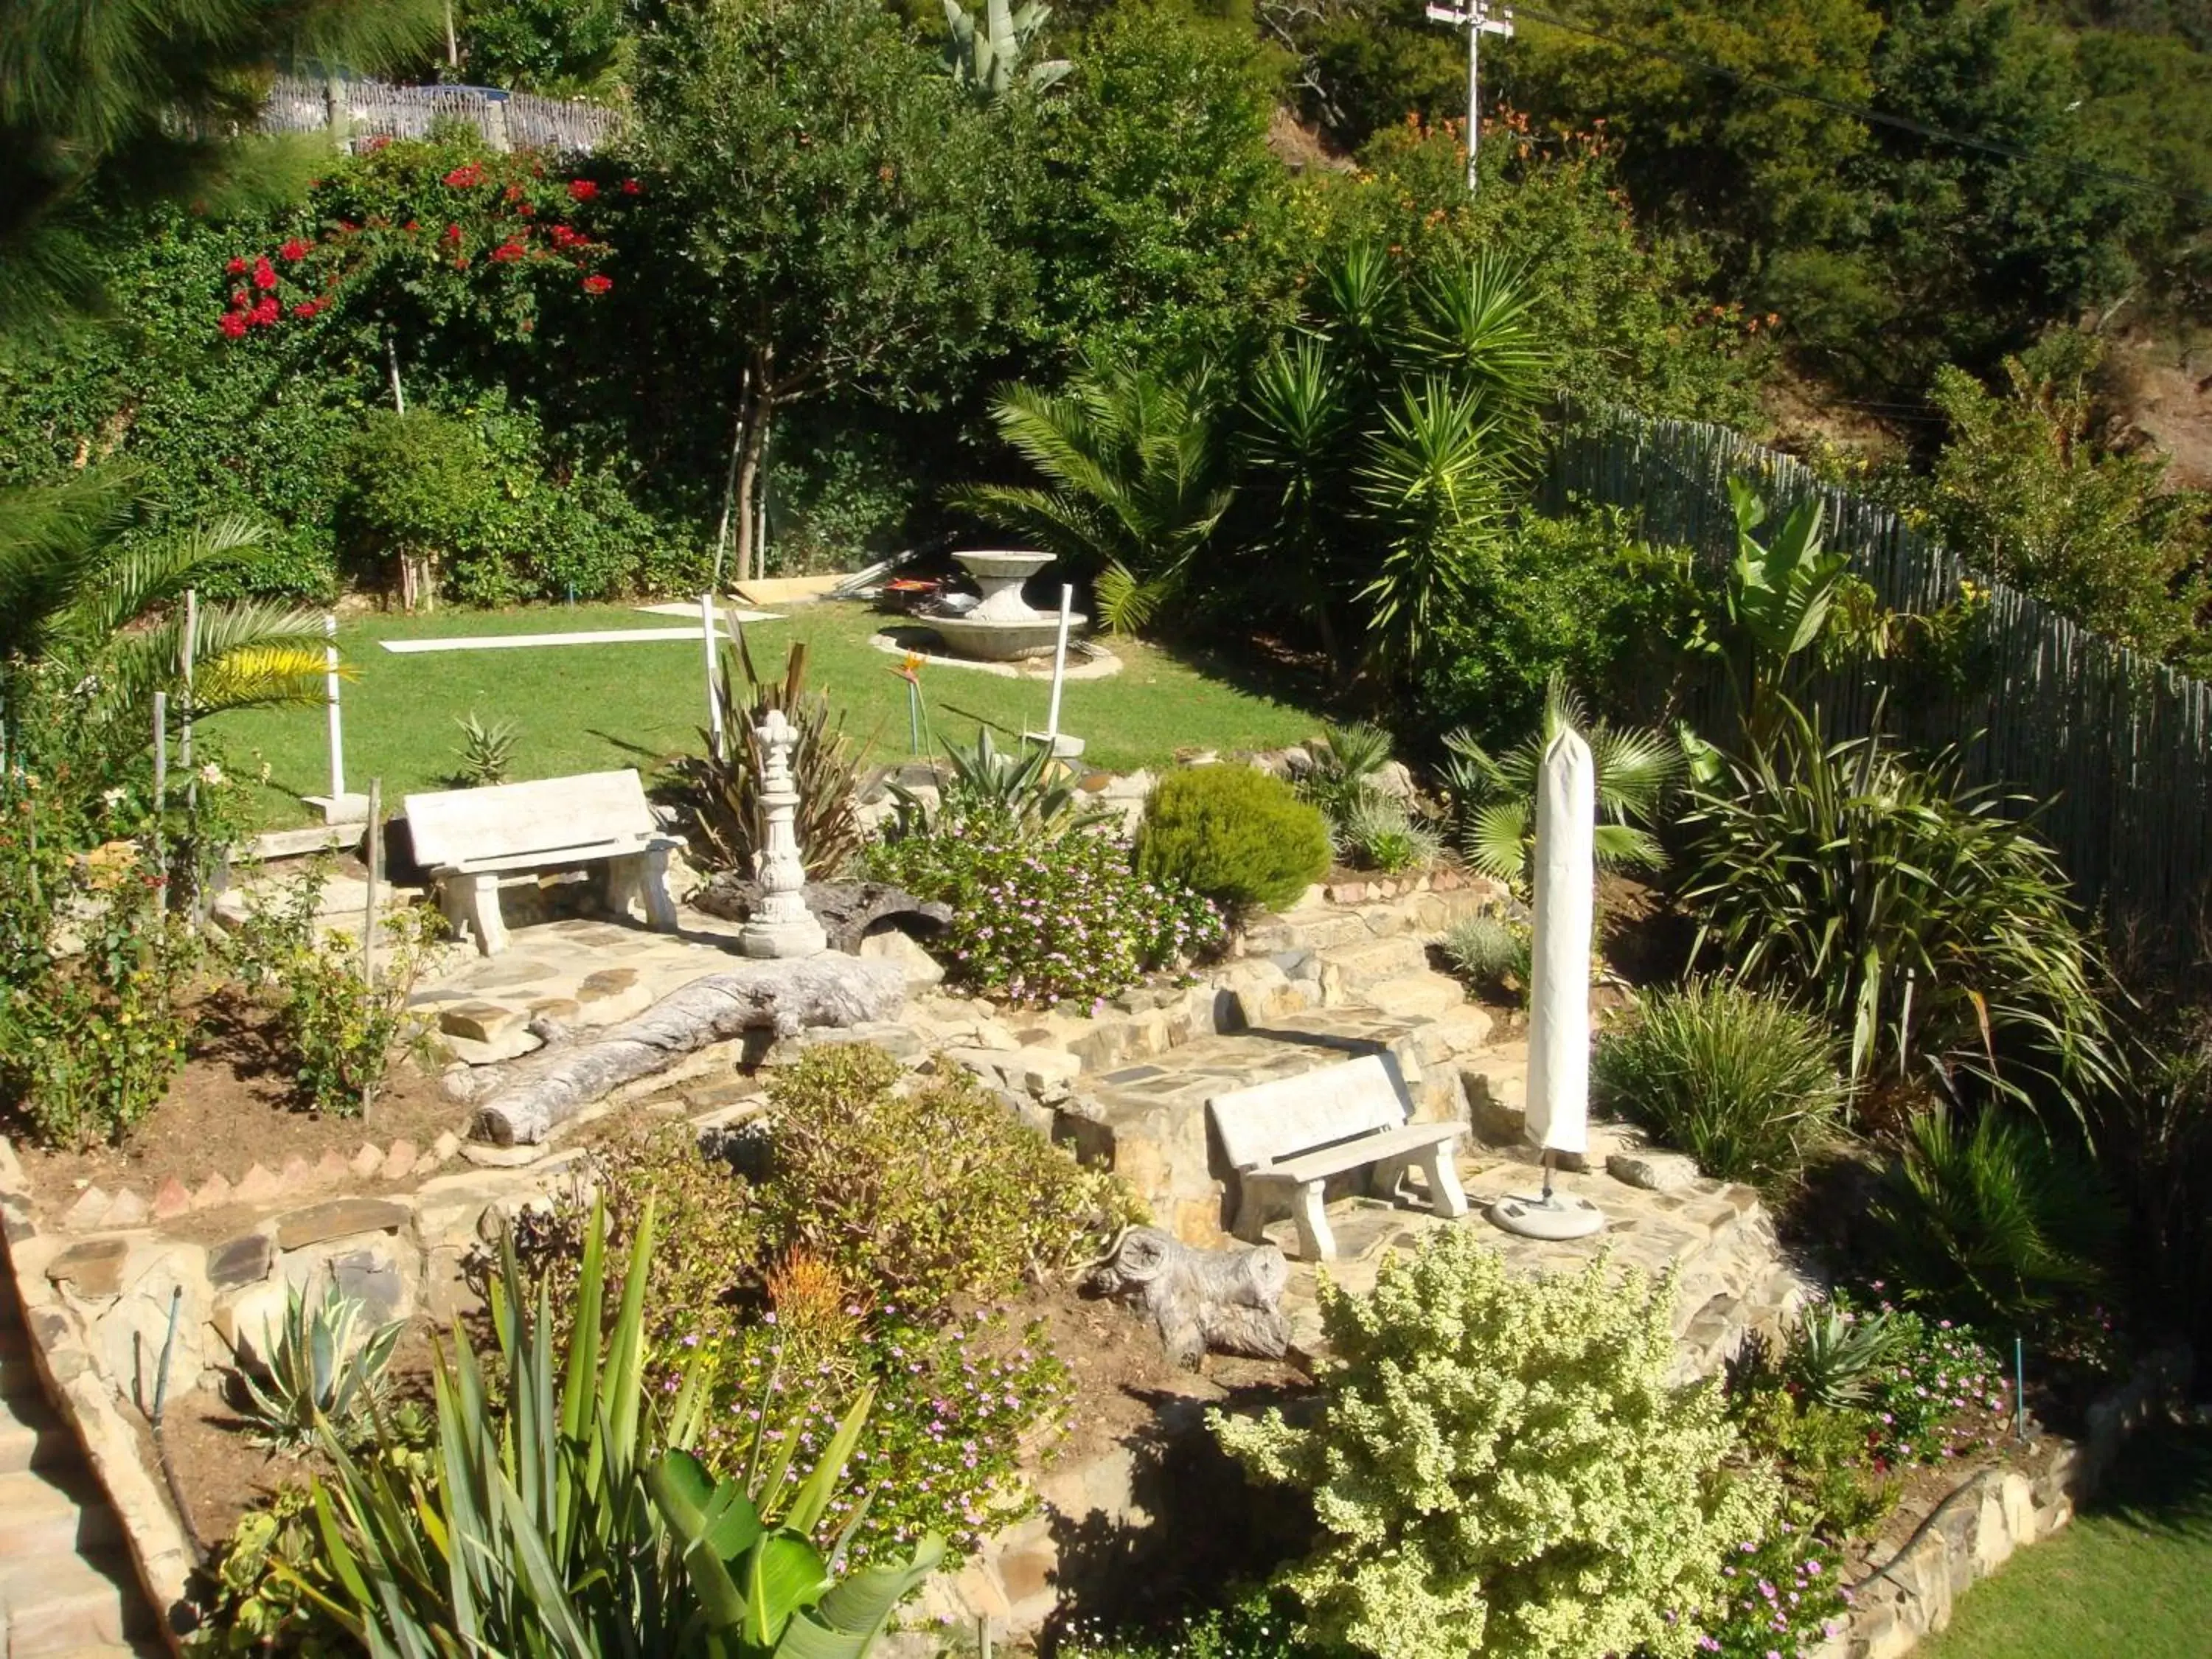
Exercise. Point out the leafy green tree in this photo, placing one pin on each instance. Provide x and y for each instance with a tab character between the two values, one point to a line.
2021	493
1365	64
562	48
828	212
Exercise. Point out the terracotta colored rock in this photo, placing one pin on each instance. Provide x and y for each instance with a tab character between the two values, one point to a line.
257	1186
399	1160
296	1174
89	1210
332	1169
444	1148
126	1209
171	1198
366	1162
213	1193
340	1218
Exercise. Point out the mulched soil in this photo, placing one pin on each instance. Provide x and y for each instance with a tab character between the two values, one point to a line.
235	1104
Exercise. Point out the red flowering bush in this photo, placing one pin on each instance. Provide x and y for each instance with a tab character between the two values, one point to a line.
483	259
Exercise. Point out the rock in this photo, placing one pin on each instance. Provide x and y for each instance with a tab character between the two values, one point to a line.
1657	1172
611	996
171	1200
1137	786
89	1210
366	1162
257	1186
372	1280
250	1319
487	1022
892	946
443	1149
340	1218
399	1160
297	1174
244	1260
92	1269
562	1011
126	1209
1393	778
213	1193
332	1168
516	1042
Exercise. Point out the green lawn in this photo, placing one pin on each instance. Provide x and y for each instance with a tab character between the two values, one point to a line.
2132	1578
589	707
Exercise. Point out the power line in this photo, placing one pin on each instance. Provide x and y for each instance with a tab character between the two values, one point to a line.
1882	118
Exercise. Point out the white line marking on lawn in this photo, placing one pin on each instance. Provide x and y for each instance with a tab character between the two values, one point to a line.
511	641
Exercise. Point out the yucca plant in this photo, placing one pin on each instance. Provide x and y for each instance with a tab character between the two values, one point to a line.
719	794
571	1521
322	1367
487	750
1743	1083
1493	797
1836	1353
1028	787
1994	1222
1925	919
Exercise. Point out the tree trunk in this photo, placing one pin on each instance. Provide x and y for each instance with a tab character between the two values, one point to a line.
758	410
827	989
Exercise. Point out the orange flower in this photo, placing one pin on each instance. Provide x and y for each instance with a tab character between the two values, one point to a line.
909	667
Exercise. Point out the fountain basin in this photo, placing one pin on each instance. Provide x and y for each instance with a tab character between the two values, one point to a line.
1003	627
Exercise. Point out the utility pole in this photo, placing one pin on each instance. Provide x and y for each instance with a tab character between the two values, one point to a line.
1477	21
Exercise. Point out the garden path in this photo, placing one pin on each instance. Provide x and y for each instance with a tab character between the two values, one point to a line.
66	1586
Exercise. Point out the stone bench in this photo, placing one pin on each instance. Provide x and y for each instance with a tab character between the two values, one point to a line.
1286	1139
465	840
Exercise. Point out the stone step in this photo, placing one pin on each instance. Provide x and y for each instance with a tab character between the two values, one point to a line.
35	1440
59	1604
1356	966
1428	994
55	1511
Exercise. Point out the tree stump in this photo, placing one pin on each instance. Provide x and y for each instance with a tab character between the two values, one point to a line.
1230	1300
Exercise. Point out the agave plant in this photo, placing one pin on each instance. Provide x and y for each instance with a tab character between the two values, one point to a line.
320	1368
719	794
988	59
1030	788
1838	1353
548	1525
1494	797
1139	476
487	750
1380	832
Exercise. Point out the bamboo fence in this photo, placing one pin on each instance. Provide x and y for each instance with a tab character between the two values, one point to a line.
2117	747
356	111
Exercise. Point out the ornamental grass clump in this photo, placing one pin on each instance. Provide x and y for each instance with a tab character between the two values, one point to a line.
1743	1083
1503	1467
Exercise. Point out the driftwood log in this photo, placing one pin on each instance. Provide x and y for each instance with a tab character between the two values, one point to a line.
847	911
783	996
1230	1301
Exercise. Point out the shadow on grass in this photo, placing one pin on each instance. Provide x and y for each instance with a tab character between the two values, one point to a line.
2162	1483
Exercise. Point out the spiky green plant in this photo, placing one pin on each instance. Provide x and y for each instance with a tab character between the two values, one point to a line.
487	750
1994	1222
1835	1354
1924	918
1348	760
1381	833
986	57
1745	1084
321	1366
1493	797
550	1526
1026	787
1491	954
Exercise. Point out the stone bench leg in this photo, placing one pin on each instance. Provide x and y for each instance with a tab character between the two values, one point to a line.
642	876
1315	1242
470	905
1440	1163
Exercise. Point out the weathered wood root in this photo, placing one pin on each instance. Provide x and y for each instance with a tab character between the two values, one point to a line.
785	996
1227	1300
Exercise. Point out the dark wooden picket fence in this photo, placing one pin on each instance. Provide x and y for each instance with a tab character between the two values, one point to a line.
2119	747
353	112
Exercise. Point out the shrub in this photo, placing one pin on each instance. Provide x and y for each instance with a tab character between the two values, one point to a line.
918	1194
1239	836
1381	833
338	1027
1502	1466
1491	954
1347	761
1836	1353
1943	1392
1046	921
1744	1083
1026	791
416	485
1918	916
1825	1456
1994	1222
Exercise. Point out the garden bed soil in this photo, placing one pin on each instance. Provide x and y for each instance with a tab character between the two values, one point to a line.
233	1105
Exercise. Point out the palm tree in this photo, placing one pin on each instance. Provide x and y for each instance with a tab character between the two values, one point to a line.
1138	477
91	627
1494	797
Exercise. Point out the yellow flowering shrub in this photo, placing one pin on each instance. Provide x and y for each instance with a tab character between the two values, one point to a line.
1503	1468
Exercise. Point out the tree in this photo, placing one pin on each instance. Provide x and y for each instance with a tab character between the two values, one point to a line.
828	211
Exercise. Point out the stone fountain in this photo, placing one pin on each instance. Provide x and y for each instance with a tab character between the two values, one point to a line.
1003	627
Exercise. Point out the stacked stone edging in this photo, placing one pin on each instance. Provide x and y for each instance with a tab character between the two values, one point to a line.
1993	1513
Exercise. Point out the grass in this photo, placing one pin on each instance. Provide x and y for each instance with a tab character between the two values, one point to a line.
582	708
2132	1576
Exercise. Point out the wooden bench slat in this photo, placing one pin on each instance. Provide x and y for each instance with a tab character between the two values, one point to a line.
1352	1154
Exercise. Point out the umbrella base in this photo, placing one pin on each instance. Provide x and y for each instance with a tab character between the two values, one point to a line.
1556	1215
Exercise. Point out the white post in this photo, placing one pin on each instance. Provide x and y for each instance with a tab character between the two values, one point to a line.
1059	672
375	856
1558	986
161	751
1477	21
191	647
713	702
330	695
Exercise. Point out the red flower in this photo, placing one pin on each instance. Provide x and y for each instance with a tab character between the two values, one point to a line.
266	311
264	274
506	252
452	233
238	296
294	249
467	176
414	224
232	324
237	265
631	187
461	264
512	193
563	237
597	284
581	190
305	308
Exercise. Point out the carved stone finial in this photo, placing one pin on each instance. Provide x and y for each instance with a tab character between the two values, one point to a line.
781	925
